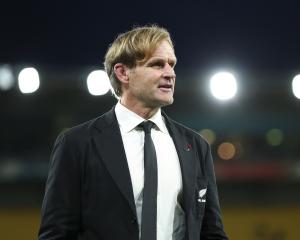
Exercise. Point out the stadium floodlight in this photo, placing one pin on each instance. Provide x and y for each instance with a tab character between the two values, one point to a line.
98	83
28	80
6	77
296	86
223	85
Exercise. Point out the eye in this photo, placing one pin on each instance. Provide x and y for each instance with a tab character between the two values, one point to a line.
172	64
157	64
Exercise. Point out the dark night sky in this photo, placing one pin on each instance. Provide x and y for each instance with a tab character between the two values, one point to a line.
247	34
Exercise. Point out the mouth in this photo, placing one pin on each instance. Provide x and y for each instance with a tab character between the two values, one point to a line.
166	87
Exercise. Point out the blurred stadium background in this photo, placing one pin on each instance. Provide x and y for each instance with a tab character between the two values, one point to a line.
254	134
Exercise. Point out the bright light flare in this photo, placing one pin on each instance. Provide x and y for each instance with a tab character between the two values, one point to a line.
98	83
29	80
296	86
223	85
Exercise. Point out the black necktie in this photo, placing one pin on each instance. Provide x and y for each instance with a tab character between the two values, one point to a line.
149	208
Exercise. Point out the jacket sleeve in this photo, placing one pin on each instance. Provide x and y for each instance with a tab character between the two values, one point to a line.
60	214
212	226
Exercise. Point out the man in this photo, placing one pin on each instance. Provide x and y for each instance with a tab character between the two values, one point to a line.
112	178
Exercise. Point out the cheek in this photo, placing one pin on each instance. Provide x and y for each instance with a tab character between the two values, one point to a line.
146	81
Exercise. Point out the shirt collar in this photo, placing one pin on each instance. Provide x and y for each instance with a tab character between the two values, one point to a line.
128	119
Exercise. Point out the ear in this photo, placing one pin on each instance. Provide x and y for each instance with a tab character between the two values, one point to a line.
121	71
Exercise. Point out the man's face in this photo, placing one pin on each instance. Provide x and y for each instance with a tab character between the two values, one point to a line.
151	84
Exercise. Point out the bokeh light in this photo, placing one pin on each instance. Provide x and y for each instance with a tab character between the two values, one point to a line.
296	86
6	77
274	137
98	83
28	80
223	85
209	135
226	151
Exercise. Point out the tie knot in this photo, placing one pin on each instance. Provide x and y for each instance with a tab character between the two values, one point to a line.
146	126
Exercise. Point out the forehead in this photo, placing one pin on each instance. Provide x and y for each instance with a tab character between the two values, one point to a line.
164	50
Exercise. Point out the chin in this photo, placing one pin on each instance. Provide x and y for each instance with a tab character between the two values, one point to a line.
160	101
166	102
157	103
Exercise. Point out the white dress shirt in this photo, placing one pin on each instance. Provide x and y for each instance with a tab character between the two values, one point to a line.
168	168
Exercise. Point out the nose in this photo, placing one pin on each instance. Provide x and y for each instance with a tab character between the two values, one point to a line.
169	72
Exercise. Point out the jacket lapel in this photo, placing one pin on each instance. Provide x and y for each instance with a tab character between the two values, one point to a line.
186	155
110	147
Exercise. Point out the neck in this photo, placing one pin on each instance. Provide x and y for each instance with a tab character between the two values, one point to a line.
141	110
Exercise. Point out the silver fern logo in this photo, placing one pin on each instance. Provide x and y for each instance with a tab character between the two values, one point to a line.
202	195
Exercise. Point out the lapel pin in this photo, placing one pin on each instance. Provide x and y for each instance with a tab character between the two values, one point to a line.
188	147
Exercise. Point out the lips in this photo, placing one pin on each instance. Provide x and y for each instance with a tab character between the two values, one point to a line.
165	86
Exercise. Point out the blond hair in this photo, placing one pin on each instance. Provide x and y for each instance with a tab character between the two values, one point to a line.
131	48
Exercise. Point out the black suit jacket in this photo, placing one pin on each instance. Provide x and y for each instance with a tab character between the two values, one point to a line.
89	192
